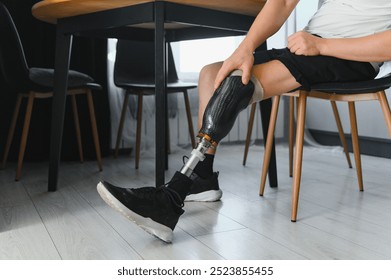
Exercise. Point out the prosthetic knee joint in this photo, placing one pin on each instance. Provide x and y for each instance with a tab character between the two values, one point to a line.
220	114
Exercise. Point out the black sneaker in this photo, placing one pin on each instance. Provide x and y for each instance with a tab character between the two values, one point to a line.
156	210
206	190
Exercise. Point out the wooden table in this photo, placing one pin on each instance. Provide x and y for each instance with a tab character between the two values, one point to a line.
160	21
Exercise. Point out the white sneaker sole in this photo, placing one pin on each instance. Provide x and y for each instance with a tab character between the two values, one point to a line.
160	231
208	196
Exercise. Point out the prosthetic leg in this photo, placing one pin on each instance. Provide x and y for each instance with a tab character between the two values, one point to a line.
157	210
220	114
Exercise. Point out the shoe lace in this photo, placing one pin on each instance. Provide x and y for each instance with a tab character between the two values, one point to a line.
149	193
174	197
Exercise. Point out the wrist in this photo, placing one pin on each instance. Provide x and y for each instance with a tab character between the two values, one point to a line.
323	46
247	46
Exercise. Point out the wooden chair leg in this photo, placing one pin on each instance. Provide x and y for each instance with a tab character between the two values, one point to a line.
138	132
386	109
356	145
189	119
249	131
291	143
269	143
77	127
341	132
298	160
291	132
121	124
94	129
11	130
23	141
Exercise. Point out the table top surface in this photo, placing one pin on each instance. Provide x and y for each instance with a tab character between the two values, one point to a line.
51	10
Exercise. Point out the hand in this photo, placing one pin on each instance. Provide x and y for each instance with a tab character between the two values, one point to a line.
303	43
240	59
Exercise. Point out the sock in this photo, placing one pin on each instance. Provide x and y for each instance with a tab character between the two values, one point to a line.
181	184
204	168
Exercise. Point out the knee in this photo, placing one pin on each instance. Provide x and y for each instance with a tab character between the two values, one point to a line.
208	74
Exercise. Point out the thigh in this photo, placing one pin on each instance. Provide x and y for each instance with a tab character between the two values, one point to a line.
310	70
275	78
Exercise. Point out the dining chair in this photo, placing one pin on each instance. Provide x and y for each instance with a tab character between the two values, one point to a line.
349	92
291	132
134	71
37	83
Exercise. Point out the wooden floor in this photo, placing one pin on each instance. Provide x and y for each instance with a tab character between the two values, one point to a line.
335	220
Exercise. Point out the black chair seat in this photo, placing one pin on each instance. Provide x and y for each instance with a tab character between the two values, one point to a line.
44	79
355	87
174	87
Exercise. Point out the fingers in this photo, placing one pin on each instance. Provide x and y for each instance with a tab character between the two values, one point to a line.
221	75
225	72
293	43
246	75
228	68
303	43
296	49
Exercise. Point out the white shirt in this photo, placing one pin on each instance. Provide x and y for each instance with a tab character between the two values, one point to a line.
350	18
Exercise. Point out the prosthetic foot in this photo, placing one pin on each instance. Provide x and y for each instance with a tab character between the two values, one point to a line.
220	114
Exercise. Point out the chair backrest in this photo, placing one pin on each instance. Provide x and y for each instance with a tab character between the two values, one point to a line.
13	65
135	63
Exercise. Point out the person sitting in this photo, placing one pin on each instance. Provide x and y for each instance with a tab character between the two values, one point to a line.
345	40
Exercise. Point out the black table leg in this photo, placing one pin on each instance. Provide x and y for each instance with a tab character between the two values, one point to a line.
62	58
265	109
160	93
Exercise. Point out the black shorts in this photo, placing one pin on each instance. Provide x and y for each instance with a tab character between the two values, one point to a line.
310	70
